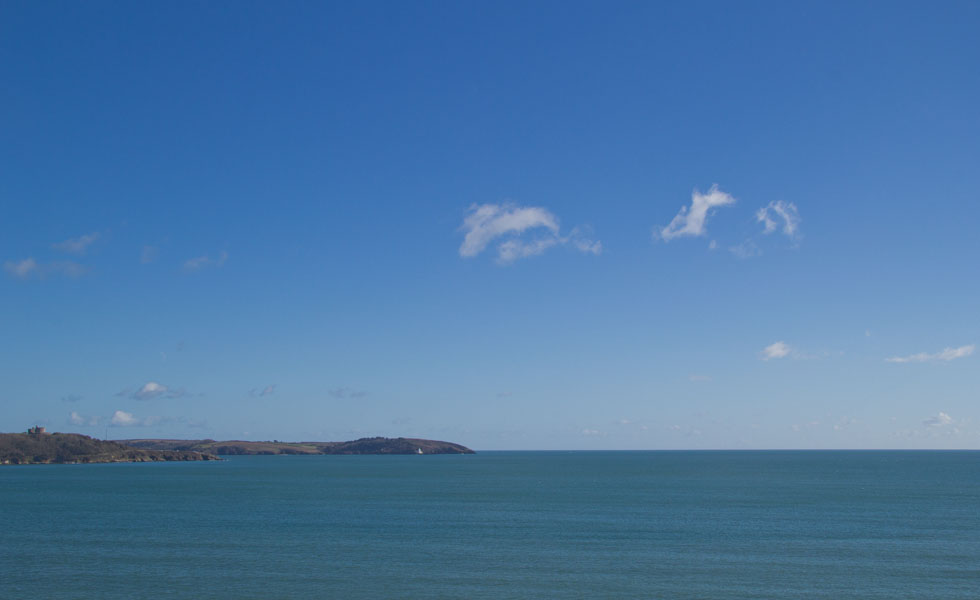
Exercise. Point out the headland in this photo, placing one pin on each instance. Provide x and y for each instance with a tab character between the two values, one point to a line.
39	447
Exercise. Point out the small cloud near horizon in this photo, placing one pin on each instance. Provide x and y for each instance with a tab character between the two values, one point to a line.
121	418
946	355
77	419
152	390
940	420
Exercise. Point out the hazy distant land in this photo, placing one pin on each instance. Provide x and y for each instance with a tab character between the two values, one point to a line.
74	448
375	445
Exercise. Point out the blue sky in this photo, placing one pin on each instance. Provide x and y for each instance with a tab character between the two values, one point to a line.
510	225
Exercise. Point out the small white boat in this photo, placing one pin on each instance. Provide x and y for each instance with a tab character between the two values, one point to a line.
420	451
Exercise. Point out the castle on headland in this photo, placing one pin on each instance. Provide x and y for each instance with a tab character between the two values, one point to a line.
36	430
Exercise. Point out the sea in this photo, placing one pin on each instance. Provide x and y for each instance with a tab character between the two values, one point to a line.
697	525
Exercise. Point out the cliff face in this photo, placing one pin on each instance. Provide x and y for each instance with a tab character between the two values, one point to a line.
68	448
376	445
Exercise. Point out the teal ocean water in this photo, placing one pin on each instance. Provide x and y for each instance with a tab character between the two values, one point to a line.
499	525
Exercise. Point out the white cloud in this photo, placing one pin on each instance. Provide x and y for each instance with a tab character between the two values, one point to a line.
30	267
121	418
486	223
77	245
76	419
511	250
201	262
591	432
20	268
124	419
940	420
776	350
947	354
152	390
582	241
691	221
785	212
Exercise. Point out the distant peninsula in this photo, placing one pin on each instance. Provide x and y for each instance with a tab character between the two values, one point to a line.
39	447
374	445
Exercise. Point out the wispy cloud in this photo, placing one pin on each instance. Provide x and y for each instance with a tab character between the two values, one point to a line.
261	393
581	238
808	425
780	215
77	245
20	268
200	262
152	390
940	420
512	250
29	267
343	393
947	354
747	249
776	350
149	254
938	427
688	431
507	225
690	221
